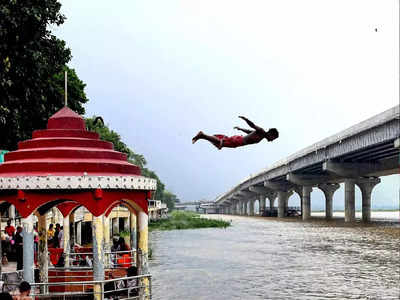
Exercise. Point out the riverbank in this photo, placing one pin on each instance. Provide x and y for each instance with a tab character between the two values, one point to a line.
186	220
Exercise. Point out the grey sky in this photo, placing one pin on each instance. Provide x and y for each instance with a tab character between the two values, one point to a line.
160	71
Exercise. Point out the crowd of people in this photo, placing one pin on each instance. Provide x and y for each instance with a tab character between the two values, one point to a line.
11	242
12	246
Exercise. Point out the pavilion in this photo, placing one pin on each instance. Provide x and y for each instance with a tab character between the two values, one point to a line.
66	166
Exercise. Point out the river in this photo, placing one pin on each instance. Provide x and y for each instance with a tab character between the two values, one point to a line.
264	258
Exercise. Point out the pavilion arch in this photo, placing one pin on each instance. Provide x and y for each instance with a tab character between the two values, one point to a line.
131	205
96	201
64	206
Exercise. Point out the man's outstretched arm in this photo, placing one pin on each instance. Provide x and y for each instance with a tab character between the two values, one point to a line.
248	131
251	124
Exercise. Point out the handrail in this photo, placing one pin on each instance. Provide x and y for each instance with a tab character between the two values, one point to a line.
110	259
120	286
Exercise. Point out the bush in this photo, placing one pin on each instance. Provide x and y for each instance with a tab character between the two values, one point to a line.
186	220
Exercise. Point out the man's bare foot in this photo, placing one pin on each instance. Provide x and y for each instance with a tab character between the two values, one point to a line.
197	136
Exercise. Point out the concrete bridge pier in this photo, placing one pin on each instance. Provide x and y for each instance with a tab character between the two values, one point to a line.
245	207
349	202
328	190
366	186
282	203
237	207
251	207
261	199
271	197
306	199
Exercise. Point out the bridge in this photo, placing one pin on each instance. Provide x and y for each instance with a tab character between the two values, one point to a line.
201	206
358	156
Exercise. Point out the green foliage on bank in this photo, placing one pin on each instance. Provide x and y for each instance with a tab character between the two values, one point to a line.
186	220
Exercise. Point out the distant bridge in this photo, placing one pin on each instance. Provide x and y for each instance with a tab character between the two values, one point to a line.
358	156
201	206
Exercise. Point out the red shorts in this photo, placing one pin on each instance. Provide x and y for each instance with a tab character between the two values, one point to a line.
230	142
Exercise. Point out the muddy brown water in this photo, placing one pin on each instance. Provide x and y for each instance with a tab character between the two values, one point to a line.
264	258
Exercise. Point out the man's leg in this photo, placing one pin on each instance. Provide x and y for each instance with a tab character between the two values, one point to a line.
212	139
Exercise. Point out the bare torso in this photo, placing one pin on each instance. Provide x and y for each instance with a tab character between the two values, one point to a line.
253	138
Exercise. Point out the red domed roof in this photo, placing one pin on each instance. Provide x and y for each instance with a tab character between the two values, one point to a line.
66	148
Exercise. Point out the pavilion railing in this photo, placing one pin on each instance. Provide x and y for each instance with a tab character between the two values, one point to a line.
134	287
112	259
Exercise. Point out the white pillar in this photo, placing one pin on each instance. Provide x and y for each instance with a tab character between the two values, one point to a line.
43	256
142	250
106	230
66	239
133	231
98	255
28	249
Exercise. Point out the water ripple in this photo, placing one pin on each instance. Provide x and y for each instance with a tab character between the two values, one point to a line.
269	259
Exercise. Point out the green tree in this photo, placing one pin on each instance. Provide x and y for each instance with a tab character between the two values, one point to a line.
32	61
160	186
170	199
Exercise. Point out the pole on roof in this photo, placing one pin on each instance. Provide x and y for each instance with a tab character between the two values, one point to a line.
66	88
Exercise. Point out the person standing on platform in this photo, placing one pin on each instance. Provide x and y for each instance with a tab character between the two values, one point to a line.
50	235
8	239
56	241
19	248
10	230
